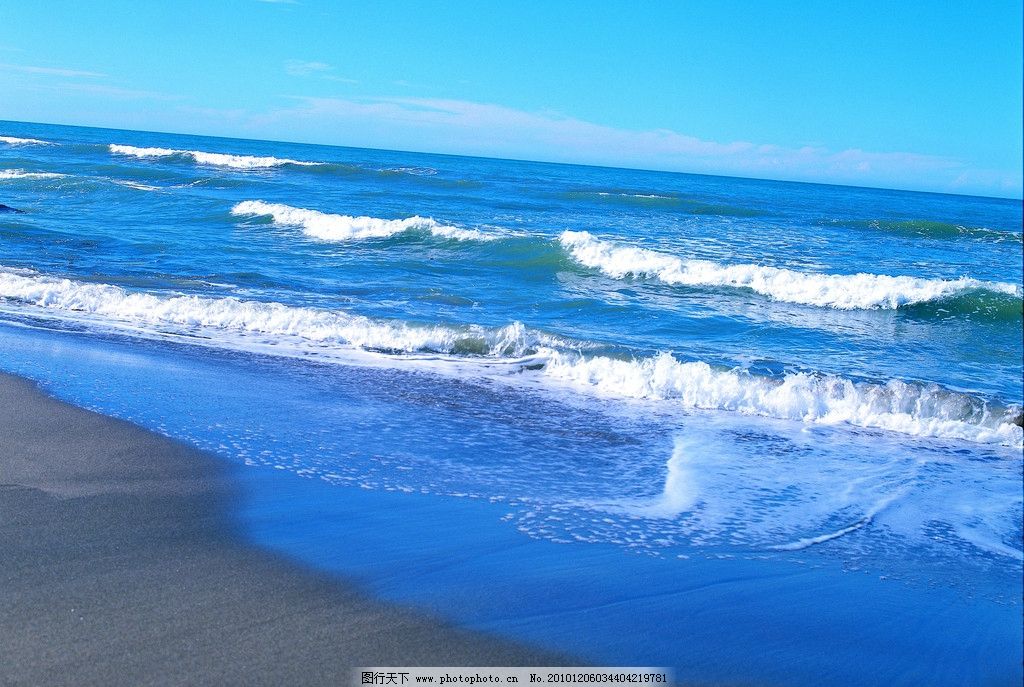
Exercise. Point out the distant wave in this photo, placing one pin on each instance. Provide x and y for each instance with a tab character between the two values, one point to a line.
22	174
14	141
203	158
329	227
80	181
841	291
929	229
668	201
135	185
907	407
415	171
257	162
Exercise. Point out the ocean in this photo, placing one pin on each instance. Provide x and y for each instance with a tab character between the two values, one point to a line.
762	432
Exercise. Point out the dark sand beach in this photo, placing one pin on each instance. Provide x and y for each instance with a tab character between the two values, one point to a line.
119	566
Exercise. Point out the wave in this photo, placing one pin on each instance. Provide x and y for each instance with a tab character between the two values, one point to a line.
668	201
22	174
268	162
912	408
415	171
983	305
204	158
15	141
930	229
273	320
77	181
329	227
841	291
16	174
135	185
906	407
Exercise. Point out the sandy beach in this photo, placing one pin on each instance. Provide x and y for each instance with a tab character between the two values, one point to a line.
119	566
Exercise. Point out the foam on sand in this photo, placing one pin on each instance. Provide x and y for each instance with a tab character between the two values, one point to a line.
841	291
330	227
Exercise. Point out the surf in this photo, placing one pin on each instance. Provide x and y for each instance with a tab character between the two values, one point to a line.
205	158
861	291
15	141
332	227
906	407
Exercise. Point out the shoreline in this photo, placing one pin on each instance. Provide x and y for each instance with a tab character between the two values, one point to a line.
121	566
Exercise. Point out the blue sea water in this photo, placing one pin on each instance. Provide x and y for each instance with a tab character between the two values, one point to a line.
762	432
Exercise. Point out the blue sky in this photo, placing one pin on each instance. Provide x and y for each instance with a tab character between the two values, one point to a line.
919	95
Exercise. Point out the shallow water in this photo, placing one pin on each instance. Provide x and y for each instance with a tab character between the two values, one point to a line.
596	382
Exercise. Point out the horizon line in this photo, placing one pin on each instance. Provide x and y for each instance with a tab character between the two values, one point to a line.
525	160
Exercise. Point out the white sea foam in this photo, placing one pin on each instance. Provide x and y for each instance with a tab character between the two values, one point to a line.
681	491
134	184
415	171
272	320
842	291
898	406
649	196
12	174
15	141
142	152
863	521
22	174
330	227
204	158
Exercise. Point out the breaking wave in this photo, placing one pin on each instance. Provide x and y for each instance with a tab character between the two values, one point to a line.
329	227
841	291
15	141
899	406
273	320
216	159
912	408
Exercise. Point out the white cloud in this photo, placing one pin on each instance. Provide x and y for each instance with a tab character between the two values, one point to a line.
116	91
81	81
302	68
457	126
319	69
50	71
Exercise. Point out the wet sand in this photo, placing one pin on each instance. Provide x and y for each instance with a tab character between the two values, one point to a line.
119	565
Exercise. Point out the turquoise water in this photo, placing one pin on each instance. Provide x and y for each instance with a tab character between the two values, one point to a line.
686	403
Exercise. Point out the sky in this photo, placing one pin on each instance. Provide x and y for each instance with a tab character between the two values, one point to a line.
912	95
